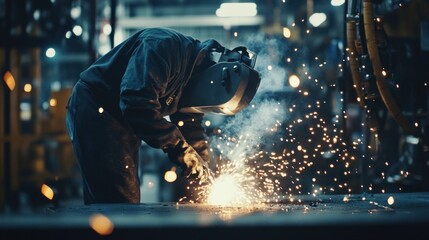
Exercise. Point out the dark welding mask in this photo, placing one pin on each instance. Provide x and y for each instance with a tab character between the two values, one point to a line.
226	87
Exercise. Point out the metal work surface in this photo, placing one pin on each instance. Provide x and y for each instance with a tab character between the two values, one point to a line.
399	216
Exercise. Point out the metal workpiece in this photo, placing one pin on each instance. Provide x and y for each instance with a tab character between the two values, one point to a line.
398	216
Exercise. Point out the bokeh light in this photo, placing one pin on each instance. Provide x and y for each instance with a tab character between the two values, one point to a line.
101	224
47	191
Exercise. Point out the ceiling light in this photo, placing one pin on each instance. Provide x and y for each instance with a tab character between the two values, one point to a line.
245	9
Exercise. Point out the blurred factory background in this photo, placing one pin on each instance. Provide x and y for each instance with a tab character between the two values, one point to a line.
371	82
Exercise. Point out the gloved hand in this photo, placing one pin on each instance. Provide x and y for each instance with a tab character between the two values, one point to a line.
185	156
202	148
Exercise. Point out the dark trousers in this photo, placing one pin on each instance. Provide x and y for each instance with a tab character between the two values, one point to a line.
107	151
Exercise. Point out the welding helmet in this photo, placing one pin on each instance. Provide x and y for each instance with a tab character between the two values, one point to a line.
225	87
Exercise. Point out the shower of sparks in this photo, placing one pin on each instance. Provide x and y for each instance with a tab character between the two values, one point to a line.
273	165
276	152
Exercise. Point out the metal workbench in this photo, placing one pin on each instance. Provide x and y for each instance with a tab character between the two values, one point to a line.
365	216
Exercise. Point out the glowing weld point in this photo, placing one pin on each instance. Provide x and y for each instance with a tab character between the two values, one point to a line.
226	190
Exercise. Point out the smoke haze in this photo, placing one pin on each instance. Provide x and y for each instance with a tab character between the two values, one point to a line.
269	56
243	133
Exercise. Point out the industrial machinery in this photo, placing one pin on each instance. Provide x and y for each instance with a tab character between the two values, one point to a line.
387	51
385	88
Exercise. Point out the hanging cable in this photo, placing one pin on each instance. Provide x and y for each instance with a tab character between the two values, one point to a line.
386	96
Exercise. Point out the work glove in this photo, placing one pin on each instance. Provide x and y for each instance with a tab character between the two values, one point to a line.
191	163
201	146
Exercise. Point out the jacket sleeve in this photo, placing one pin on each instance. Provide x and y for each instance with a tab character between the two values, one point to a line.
193	131
143	82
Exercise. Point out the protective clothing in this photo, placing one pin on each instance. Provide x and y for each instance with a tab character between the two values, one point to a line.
140	81
226	87
191	127
123	98
107	150
185	156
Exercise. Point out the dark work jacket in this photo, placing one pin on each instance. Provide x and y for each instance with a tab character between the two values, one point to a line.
140	81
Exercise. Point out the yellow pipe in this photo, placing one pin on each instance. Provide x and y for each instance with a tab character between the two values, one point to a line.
15	122
2	136
352	54
36	74
386	96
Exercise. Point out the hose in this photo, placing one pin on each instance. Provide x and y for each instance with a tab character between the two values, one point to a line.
352	54
386	96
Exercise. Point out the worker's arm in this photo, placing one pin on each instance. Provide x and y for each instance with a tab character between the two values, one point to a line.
145	79
191	127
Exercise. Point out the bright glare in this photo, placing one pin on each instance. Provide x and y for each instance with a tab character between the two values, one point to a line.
207	123
75	12
245	9
390	200
294	81
317	19
170	176
50	53
101	224
337	3
9	80
68	34
36	15
286	32
27	87
412	140
47	191
53	102
107	29
77	30
25	113
226	190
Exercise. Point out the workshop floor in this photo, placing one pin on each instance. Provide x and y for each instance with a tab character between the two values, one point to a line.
381	216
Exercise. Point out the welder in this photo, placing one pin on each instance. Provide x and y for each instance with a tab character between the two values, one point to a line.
133	94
